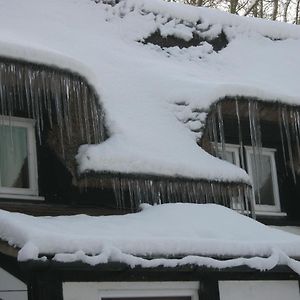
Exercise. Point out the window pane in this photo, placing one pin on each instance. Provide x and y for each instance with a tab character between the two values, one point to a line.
230	157
149	298
264	184
13	157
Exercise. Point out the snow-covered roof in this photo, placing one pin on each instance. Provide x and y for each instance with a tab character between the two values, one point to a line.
139	84
194	233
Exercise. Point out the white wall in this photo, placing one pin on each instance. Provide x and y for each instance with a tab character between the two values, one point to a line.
11	288
229	290
21	295
99	290
259	290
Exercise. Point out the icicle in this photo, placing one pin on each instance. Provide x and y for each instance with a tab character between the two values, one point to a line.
138	190
215	132
211	136
221	128
255	135
295	133
237	111
286	125
297	121
2	102
282	138
52	96
85	111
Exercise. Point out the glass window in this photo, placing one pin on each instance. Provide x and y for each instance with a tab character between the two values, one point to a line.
231	154
264	179
262	170
18	174
263	184
230	157
13	157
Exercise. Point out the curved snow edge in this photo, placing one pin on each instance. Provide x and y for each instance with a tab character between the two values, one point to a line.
113	254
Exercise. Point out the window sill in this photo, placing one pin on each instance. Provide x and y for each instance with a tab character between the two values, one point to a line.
21	197
290	229
264	213
271	213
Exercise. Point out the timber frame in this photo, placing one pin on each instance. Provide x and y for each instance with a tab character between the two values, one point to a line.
45	279
269	114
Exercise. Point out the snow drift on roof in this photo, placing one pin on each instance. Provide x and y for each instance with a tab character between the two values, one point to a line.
139	84
168	230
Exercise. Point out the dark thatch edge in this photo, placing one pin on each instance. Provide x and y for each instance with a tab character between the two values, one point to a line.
241	100
50	256
45	67
246	99
12	251
106	175
61	71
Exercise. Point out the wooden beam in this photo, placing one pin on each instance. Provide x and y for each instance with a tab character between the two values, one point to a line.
45	286
6	249
209	289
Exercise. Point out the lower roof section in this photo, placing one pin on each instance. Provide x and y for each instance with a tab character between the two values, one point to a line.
168	235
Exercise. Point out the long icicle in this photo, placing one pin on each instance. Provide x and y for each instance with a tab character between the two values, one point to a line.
215	132
254	143
282	139
286	126
221	129
237	111
49	94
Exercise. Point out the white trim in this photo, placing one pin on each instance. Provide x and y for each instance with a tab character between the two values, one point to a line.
271	213
263	149
100	290
268	210
264	213
32	158
270	152
21	197
235	149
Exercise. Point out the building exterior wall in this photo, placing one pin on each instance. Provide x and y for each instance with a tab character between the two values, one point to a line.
11	288
259	290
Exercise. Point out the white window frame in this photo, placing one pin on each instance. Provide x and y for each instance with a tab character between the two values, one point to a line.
270	152
232	148
100	290
236	150
11	192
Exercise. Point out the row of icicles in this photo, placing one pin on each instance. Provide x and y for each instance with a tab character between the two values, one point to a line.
49	94
131	192
61	99
289	130
65	100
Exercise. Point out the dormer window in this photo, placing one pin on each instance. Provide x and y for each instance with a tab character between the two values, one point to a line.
265	183
18	163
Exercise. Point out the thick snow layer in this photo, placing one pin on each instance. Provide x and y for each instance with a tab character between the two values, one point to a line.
138	85
194	232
